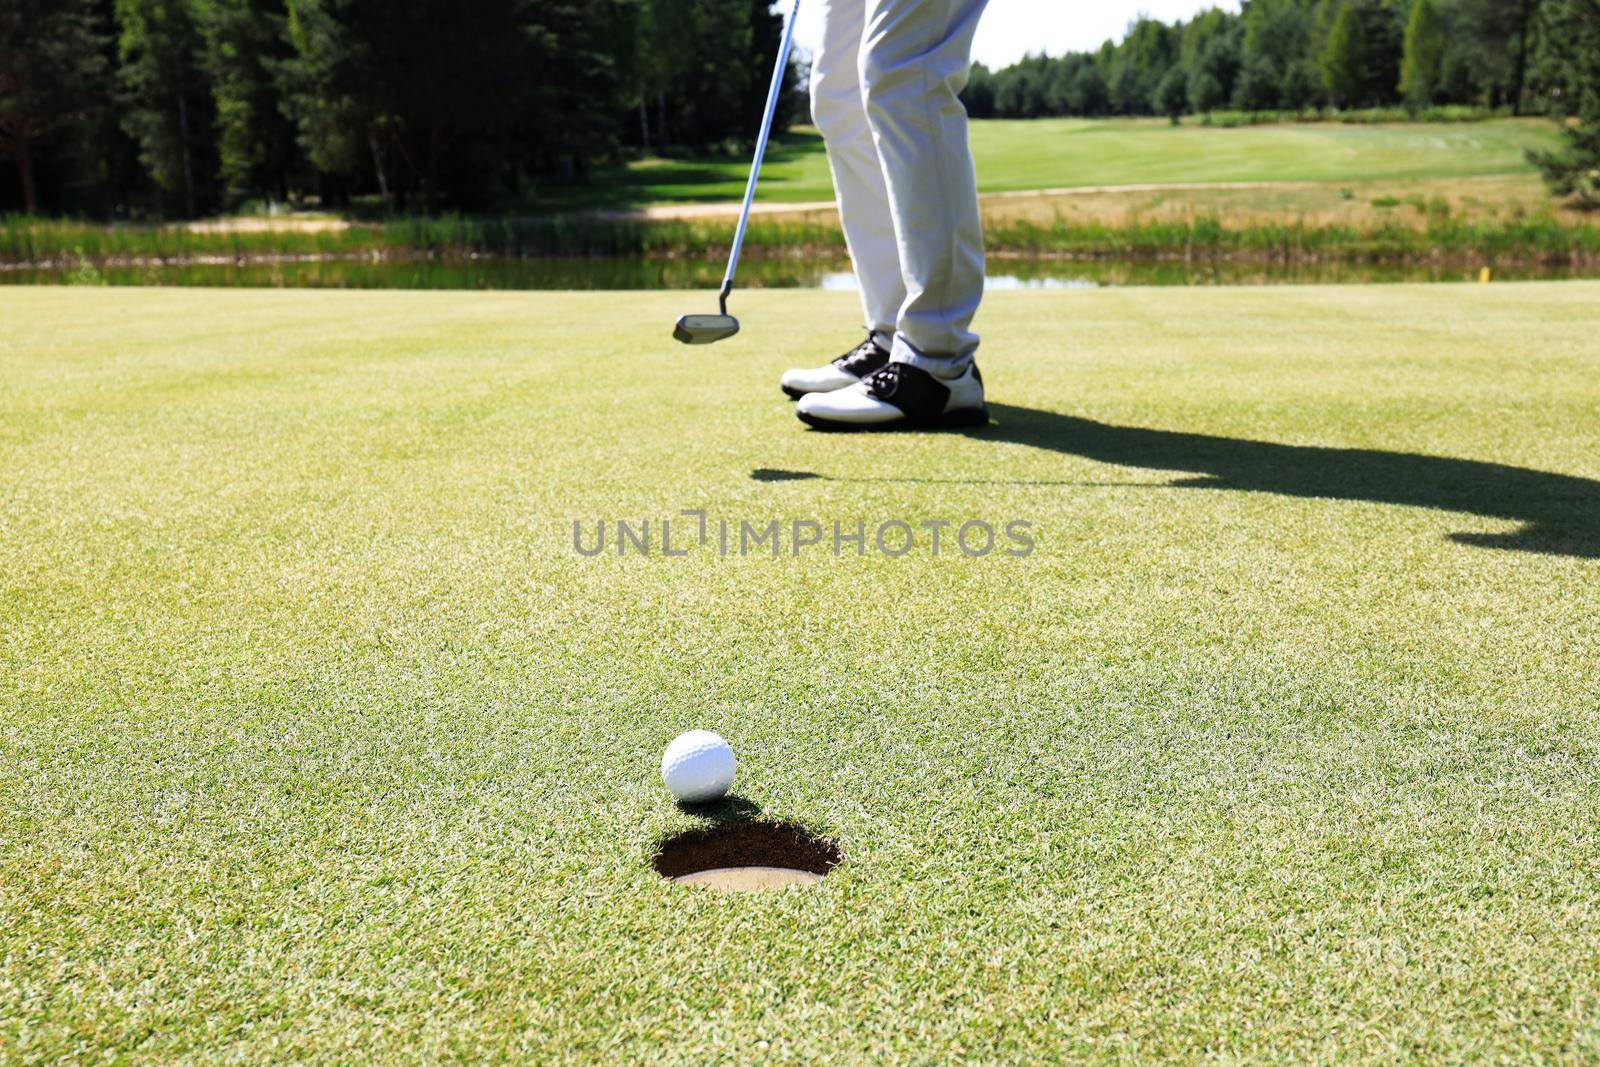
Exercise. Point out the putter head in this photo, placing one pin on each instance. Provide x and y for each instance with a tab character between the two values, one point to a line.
704	329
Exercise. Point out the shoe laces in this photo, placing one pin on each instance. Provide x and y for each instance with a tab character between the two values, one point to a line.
884	381
864	352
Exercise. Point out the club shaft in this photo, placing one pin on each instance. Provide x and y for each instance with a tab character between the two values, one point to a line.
773	94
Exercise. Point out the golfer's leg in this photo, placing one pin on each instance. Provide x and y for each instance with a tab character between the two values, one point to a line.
914	64
838	111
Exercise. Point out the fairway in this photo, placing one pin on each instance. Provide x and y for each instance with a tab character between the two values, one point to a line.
1065	153
1039	154
321	741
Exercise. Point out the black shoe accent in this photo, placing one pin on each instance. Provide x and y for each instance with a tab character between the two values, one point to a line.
861	361
911	389
918	394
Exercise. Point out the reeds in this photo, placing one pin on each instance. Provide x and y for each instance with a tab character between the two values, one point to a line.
1538	238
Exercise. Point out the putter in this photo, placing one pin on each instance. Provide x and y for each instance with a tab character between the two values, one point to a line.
705	329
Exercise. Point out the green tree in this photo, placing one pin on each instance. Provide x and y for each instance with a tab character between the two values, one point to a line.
1172	95
1491	46
579	48
1524	14
1258	88
1276	32
1383	31
167	103
978	96
1140	63
1085	91
449	116
51	67
244	49
1298	90
1199	32
1343	59
1023	92
334	96
1205	92
1212	55
1571	70
703	95
1424	50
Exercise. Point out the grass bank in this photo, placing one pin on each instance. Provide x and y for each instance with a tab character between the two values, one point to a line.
1433	234
1282	746
1371	192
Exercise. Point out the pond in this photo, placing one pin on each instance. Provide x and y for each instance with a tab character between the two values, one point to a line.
781	273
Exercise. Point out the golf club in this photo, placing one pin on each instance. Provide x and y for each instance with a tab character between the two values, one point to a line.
704	329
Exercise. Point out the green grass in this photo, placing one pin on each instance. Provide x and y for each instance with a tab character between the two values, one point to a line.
1444	162
1431	234
25	239
1064	152
321	743
1015	155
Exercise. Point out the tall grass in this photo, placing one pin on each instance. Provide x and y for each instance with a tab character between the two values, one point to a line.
1541	238
25	240
1537	239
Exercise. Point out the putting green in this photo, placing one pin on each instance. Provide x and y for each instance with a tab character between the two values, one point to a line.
321	741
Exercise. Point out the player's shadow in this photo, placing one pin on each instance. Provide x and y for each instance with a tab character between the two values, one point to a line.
1560	513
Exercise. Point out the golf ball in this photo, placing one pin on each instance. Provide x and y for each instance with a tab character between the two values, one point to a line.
698	766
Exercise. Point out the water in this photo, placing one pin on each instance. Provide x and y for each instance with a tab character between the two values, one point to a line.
778	273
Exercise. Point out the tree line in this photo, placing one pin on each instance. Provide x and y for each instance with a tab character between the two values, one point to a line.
179	108
1287	55
1295	55
188	107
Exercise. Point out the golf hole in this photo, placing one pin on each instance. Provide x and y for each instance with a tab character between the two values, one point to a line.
743	856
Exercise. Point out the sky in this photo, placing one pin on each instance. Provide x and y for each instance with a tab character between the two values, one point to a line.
1013	28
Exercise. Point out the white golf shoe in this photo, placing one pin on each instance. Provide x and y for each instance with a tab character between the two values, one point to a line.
899	396
842	373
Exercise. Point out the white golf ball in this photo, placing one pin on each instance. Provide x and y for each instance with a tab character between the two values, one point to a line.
698	766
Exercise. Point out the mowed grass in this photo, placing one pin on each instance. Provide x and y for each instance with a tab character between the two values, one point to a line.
320	742
1015	155
1077	152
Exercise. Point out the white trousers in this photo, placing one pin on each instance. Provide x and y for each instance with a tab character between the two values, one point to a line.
885	85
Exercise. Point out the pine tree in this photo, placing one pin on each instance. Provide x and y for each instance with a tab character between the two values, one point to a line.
1572	72
51	68
244	49
1086	92
1344	59
1424	49
1257	89
375	88
978	96
167	107
1172	95
1383	34
1276	32
1493	40
1209	55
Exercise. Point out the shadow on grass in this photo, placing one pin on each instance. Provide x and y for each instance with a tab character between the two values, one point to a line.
1560	514
693	178
731	808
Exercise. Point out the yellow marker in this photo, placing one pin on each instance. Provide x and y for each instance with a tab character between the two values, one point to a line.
1483	275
